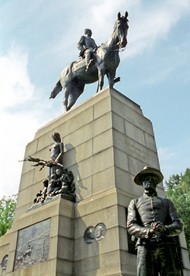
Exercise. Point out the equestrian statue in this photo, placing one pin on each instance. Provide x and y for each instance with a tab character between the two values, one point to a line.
94	64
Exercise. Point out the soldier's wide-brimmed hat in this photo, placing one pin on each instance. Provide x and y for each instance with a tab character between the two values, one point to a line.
148	170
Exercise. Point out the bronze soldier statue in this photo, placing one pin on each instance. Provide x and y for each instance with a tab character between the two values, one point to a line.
56	154
153	220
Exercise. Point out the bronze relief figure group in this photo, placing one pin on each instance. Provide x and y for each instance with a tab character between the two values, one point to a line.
59	179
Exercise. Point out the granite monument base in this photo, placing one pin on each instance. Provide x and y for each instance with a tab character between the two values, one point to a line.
107	140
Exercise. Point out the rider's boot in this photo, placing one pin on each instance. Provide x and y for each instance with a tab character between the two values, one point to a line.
89	64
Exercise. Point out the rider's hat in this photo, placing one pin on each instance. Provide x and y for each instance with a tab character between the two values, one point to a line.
148	170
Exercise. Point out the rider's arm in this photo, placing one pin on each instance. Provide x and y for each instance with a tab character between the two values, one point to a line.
81	43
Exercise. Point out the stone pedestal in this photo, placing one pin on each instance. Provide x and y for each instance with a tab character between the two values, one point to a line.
107	140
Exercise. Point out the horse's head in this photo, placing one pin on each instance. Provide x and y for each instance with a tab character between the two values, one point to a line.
120	29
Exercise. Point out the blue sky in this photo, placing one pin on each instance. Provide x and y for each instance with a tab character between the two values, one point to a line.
38	40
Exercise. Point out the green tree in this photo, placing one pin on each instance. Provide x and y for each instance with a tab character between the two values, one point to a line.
7	209
178	190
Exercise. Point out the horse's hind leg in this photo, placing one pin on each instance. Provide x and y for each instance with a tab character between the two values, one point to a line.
71	95
70	101
77	91
101	74
65	99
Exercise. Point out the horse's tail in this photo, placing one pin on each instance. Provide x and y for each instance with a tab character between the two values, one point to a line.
62	82
56	90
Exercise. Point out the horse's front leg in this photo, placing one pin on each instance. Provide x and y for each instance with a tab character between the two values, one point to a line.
111	77
101	73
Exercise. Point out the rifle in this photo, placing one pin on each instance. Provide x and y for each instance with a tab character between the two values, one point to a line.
41	162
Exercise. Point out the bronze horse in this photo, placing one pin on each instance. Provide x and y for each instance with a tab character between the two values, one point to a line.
105	62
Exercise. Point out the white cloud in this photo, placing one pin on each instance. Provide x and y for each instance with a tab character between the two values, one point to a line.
17	127
150	25
15	85
18	130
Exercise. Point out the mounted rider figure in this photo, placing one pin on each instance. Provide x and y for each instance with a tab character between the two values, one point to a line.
87	47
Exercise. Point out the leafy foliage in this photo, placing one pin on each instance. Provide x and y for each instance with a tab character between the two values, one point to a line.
178	190
7	209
